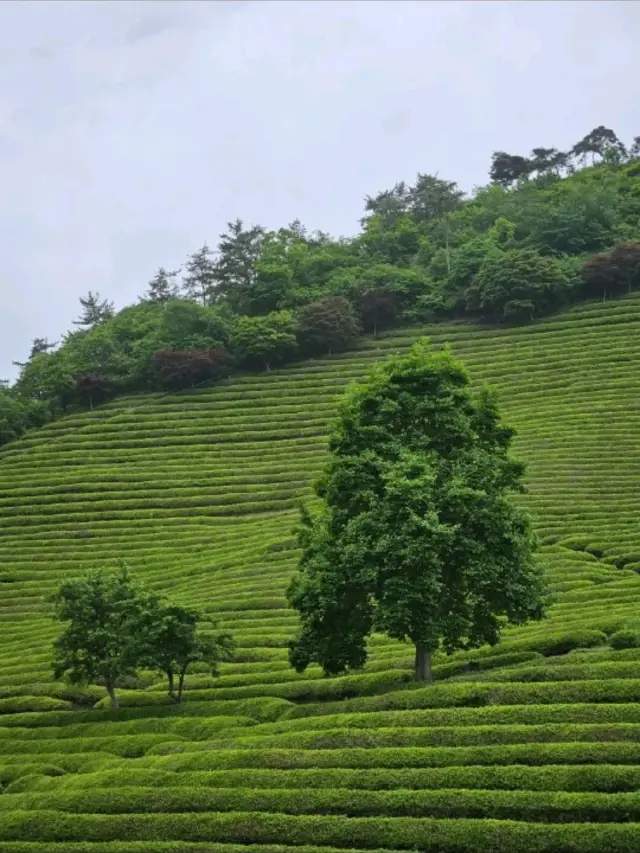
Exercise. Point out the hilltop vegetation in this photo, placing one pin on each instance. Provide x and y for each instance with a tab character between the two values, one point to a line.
547	232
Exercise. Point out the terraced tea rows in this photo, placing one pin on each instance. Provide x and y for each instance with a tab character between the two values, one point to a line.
533	745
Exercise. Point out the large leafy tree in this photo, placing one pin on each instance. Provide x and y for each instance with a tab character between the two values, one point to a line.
418	535
109	620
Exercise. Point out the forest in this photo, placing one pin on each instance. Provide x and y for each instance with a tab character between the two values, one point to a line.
548	230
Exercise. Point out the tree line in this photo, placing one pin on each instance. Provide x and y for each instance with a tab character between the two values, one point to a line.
549	230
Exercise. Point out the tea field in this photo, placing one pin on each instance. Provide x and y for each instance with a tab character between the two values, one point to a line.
532	746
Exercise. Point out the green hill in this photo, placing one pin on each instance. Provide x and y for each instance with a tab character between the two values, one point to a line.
533	745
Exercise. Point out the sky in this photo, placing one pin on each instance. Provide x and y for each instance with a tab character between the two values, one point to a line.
131	132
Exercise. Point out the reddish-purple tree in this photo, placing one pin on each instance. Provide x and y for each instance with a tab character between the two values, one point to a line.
612	273
177	369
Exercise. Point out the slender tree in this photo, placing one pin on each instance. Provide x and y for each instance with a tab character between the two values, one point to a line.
162	286
177	643
200	281
94	311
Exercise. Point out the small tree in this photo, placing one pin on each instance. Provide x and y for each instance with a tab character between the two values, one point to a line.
177	643
162	286
328	325
92	389
109	620
94	311
417	536
518	284
177	369
612	273
265	340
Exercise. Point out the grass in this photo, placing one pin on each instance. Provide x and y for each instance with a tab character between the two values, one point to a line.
533	745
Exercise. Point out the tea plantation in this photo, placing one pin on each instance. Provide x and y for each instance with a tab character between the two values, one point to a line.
531	746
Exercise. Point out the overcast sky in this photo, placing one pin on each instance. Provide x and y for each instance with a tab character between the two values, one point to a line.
131	132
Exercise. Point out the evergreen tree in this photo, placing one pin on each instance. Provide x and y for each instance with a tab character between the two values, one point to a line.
238	255
94	311
200	281
162	286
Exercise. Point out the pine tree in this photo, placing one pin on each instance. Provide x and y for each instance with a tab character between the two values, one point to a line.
200	281
95	311
162	286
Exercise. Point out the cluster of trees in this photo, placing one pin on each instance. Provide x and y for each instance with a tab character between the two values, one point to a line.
115	626
547	231
417	535
601	143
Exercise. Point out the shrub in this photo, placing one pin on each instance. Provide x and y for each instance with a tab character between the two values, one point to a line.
625	639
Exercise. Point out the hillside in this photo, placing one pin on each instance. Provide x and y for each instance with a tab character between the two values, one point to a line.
197	490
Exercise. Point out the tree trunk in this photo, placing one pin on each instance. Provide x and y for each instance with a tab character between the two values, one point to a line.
181	684
446	242
170	680
111	690
423	664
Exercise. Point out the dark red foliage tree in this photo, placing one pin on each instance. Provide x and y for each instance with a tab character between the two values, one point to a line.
91	389
612	273
177	369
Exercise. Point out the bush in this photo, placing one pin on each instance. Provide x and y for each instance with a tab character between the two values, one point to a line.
625	639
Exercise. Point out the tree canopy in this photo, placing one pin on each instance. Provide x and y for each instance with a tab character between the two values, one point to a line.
418	535
550	229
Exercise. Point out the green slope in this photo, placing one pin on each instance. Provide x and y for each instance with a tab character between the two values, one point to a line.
533	745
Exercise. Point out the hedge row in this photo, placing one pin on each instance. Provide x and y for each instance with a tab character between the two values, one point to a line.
394	757
426	834
478	694
435	736
606	778
125	746
442	803
476	716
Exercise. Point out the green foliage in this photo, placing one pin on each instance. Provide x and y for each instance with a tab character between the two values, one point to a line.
17	414
176	644
329	325
518	284
109	616
627	638
266	341
511	252
417	536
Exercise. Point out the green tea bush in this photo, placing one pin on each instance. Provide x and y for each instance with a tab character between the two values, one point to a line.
625	639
